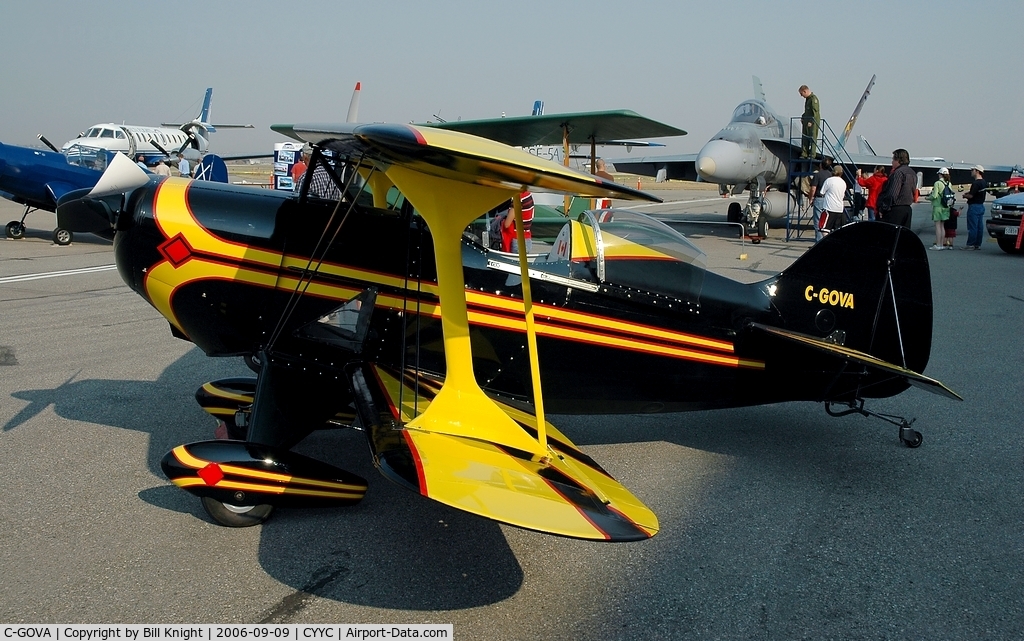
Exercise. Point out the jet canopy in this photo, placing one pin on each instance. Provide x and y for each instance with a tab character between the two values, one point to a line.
754	112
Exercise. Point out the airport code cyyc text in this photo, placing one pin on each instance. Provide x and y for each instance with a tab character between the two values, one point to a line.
136	632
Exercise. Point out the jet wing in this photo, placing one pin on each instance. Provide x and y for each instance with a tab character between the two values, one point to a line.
674	167
861	358
599	127
959	172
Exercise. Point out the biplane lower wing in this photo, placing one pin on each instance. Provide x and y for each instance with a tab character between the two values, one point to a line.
568	494
861	358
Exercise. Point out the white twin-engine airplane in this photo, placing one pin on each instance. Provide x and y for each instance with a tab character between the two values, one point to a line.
192	138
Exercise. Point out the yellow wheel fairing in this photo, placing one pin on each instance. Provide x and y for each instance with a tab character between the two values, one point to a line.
213	390
187	482
235	471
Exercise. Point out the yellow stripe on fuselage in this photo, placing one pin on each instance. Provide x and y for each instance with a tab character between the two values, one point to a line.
173	216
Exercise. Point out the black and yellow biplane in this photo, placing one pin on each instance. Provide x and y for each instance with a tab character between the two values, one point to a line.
369	299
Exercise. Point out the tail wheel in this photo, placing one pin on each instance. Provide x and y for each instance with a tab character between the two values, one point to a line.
15	229
236	515
62	236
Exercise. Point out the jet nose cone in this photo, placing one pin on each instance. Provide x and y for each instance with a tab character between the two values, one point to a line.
721	161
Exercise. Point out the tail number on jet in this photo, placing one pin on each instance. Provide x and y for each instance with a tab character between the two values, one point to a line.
827	296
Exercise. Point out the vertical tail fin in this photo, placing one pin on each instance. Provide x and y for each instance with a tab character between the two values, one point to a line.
758	89
856	112
866	287
538	108
204	115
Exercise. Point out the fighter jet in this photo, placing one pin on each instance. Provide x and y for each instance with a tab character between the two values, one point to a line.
754	152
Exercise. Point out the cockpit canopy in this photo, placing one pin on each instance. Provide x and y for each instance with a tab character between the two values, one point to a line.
753	111
613	248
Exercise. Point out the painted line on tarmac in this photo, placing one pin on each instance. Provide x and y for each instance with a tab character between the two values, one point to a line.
67	272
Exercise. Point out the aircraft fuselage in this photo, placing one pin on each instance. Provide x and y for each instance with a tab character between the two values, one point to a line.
221	262
737	155
38	178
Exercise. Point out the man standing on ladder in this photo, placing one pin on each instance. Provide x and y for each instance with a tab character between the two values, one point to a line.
810	122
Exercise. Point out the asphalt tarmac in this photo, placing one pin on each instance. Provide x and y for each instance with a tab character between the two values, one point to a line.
777	522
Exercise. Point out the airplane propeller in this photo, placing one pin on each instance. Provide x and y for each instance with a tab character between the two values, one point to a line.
46	142
159	148
96	210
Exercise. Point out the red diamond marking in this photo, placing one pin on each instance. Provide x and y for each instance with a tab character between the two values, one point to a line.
176	250
211	474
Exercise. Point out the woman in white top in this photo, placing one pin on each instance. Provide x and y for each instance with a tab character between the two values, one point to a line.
833	191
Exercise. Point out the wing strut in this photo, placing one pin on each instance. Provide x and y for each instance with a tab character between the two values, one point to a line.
531	332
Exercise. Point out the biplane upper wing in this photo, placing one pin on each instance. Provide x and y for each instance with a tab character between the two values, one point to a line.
450	441
598	127
862	358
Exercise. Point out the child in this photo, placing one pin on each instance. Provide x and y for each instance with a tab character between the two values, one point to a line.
950	227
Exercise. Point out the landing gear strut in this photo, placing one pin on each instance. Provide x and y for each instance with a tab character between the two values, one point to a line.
16	228
908	436
755	223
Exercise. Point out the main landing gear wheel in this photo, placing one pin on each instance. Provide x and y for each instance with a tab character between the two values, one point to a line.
62	236
236	515
15	229
735	213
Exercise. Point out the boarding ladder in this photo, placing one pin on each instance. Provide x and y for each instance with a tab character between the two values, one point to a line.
798	212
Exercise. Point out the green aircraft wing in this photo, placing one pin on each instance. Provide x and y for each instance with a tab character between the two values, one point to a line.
587	127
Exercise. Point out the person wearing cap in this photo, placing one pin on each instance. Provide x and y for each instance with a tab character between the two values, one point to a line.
940	210
975	197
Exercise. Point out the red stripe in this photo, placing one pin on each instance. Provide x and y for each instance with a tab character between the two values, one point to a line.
419	464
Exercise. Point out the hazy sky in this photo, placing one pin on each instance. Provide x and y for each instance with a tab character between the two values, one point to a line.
949	73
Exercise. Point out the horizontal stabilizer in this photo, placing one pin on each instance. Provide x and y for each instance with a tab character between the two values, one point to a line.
569	494
863	358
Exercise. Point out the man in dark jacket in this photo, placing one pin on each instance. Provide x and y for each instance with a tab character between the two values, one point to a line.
898	193
809	121
975	197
